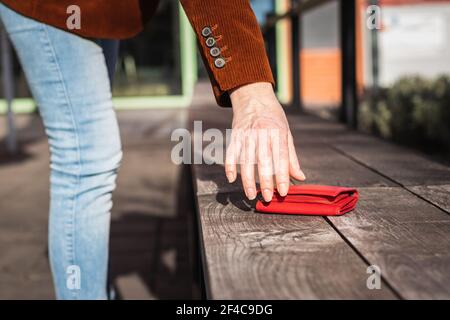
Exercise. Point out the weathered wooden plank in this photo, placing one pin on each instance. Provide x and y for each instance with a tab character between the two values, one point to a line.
211	179
323	165
438	195
309	129
250	255
408	238
408	168
405	166
392	228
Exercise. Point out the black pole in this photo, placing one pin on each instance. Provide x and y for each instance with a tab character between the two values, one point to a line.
8	88
348	56
271	39
375	56
296	46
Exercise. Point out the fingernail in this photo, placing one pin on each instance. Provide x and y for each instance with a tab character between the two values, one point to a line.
267	194
230	176
302	175
283	189
251	194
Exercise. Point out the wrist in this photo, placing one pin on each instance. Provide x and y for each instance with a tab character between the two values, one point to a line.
248	92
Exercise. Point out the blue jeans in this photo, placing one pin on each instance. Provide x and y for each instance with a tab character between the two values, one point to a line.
68	77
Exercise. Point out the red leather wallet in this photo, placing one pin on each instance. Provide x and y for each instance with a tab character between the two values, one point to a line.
312	200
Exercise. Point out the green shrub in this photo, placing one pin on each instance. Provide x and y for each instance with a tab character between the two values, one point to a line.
413	111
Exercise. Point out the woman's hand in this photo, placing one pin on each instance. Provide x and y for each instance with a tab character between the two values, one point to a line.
261	136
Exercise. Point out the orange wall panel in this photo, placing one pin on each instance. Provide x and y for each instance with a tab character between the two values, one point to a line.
321	76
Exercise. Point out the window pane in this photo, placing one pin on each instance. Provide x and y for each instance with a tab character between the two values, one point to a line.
321	59
404	71
149	64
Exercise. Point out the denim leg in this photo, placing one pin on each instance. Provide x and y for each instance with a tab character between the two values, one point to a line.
69	81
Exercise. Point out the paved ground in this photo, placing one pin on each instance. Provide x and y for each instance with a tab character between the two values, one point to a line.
151	235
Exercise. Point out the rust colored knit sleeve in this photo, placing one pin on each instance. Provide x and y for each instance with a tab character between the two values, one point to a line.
230	43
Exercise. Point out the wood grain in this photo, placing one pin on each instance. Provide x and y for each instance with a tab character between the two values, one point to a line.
407	167
438	195
408	238
258	256
251	255
323	165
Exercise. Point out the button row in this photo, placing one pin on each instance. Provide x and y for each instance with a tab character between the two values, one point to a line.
214	51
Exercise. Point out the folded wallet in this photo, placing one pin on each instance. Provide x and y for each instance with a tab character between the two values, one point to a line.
312	200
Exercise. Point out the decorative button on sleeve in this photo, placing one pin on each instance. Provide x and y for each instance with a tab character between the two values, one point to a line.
215	52
219	62
210	42
206	31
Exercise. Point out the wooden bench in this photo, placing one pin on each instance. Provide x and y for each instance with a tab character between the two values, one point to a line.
401	225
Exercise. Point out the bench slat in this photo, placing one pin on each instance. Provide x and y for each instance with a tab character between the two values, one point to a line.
408	238
438	195
256	256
